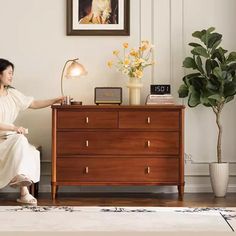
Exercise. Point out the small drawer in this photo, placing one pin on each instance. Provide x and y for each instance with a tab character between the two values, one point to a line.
118	169
122	143
82	119
166	120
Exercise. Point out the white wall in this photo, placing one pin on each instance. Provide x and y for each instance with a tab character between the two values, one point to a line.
33	36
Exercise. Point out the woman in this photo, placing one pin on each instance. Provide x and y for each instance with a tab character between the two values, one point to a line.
19	161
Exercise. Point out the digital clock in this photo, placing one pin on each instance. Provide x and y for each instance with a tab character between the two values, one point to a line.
160	89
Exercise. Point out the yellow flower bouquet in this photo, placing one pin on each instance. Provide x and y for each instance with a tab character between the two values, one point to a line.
133	61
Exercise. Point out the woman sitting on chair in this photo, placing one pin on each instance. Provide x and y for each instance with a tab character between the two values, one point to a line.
19	161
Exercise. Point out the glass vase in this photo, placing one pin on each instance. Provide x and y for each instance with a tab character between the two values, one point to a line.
134	87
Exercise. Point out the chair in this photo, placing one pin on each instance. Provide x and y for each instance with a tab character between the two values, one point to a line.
34	188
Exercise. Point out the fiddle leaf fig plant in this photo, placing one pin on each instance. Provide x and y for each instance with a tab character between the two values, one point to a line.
212	82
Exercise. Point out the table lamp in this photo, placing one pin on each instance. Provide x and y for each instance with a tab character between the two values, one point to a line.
72	69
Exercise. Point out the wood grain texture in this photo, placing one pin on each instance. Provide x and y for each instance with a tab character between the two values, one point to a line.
123	143
125	199
166	120
118	145
118	169
90	119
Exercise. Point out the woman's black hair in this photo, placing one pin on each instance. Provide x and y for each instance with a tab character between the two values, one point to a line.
84	8
4	64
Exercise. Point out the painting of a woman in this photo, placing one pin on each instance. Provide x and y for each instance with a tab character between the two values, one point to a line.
98	12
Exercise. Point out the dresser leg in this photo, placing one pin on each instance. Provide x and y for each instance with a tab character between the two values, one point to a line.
181	191
54	189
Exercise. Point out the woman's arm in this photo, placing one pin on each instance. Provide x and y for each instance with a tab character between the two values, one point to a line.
45	103
7	127
11	127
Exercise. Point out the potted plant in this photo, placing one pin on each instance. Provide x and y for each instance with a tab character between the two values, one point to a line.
213	84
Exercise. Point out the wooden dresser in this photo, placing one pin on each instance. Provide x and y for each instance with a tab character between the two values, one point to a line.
117	145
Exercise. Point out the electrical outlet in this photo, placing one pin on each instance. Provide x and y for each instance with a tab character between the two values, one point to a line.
188	158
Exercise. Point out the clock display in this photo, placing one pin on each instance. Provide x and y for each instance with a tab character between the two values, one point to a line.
160	89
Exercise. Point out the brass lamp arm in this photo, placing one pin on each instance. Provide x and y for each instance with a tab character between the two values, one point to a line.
62	74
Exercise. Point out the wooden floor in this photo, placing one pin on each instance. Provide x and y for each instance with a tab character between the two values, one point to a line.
127	199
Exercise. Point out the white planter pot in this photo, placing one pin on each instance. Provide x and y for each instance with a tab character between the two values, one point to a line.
219	174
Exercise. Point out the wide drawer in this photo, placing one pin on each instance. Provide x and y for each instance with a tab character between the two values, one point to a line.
117	169
120	143
149	119
82	119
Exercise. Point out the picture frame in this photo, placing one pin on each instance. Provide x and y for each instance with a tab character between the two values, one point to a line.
83	18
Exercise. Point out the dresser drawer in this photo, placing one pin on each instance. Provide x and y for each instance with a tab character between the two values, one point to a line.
117	169
125	143
166	120
81	119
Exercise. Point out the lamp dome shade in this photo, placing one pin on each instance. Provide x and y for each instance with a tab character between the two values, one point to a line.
75	69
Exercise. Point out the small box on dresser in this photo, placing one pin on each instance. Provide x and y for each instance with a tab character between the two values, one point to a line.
117	146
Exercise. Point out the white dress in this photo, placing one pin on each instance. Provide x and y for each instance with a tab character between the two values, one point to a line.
17	156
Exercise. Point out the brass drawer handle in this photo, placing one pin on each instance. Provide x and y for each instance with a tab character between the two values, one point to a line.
148	143
148	170
86	170
87	143
149	120
87	120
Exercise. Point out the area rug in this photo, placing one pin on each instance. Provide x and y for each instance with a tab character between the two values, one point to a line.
144	219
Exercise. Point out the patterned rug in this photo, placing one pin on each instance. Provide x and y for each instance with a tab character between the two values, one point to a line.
95	219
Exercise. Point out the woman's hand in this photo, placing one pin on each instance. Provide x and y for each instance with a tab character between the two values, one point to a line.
60	100
21	130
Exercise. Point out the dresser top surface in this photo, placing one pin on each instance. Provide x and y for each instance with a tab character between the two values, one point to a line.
118	107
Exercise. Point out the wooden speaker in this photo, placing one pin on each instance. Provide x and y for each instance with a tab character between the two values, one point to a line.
108	95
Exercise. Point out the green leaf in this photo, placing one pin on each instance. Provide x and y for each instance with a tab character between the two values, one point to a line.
215	46
194	98
208	67
200	51
211	86
229	78
232	67
213	102
205	38
229	89
231	57
205	101
214	40
199	64
228	99
211	29
197	83
214	64
192	75
195	44
216	97
183	91
214	80
189	63
218	73
198	34
187	79
219	54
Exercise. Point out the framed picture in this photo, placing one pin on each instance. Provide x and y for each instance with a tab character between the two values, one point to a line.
98	17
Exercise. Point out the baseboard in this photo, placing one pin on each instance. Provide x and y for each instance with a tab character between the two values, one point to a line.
189	188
